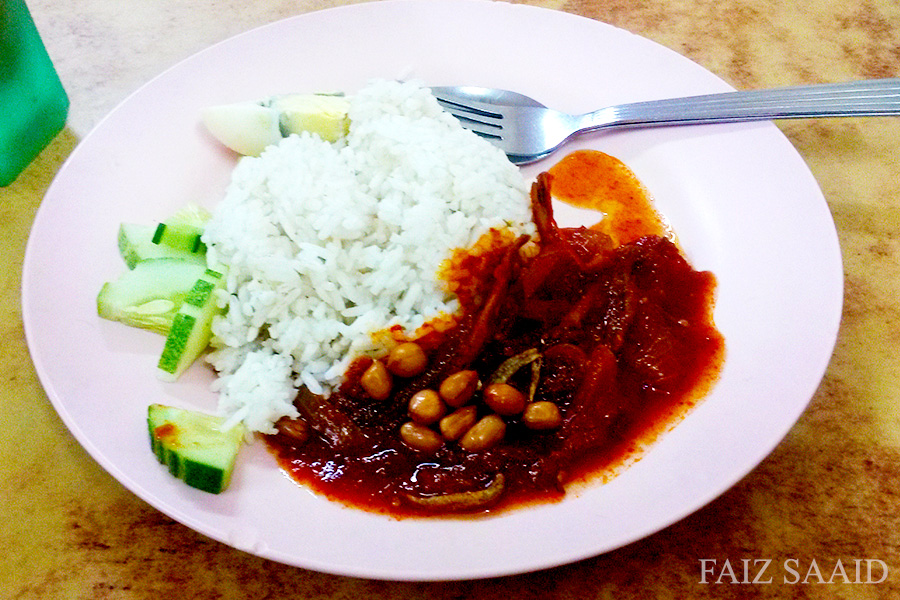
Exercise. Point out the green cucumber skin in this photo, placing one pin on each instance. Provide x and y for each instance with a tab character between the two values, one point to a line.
180	237
196	474
197	453
200	293
176	342
201	476
192	327
135	242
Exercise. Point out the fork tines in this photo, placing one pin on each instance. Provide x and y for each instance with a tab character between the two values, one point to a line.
484	122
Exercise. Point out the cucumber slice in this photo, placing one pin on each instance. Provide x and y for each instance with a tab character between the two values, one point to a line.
191	214
192	326
181	237
136	241
193	446
150	294
136	245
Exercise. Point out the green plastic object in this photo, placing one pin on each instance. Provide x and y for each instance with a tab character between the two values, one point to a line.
33	103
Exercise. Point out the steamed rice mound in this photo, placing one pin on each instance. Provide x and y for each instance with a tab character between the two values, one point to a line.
327	244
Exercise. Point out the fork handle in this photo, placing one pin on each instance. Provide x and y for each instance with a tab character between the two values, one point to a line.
877	97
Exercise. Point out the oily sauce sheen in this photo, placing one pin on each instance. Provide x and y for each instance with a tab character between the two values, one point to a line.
609	324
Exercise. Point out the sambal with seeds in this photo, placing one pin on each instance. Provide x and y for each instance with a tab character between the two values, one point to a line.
571	352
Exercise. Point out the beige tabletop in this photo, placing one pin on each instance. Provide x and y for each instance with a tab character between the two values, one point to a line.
830	491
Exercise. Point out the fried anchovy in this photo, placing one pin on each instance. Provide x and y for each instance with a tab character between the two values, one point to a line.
511	366
461	501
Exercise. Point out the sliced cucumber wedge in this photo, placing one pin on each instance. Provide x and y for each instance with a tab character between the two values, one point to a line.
190	214
136	241
193	446
180	237
191	327
150	294
136	245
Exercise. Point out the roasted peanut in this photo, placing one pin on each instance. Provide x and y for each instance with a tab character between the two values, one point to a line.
542	415
458	422
458	388
407	360
504	399
420	437
376	381
426	407
484	434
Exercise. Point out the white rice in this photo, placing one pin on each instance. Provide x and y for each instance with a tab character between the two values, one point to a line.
327	243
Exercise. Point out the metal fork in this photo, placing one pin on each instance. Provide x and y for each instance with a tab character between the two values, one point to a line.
528	131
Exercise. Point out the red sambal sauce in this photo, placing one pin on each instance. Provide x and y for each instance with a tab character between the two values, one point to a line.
607	330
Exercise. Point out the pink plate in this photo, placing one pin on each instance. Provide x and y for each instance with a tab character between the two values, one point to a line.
740	198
